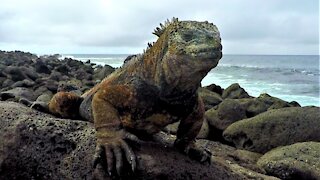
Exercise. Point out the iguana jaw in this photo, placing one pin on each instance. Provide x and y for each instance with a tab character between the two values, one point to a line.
204	52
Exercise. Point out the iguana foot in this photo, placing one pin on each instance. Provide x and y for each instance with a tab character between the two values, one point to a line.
110	153
40	106
194	152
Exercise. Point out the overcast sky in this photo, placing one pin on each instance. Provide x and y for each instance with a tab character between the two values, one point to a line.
125	26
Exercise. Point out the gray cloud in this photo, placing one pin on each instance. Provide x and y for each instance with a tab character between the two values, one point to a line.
106	26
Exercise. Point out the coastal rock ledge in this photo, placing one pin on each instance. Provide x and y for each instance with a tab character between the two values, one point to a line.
35	145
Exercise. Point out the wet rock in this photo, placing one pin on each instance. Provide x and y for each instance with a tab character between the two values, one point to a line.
275	128
276	103
67	87
82	74
2	74
234	91
233	110
210	99
35	146
264	102
215	88
38	146
297	161
55	75
2	79
172	128
240	162
41	67
24	83
15	73
30	73
88	68
17	93
45	97
19	69
204	131
51	85
41	90
63	69
7	83
227	112
294	104
74	63
102	72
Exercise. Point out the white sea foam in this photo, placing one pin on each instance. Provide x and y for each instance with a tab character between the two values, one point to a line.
280	76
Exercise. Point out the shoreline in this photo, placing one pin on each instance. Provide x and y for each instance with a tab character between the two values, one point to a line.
248	137
214	76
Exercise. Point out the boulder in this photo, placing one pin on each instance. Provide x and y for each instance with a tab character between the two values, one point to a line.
51	85
30	73
23	83
35	145
6	84
264	102
18	93
275	128
15	73
68	87
63	68
2	80
39	146
204	131
73	63
297	161
55	75
41	90
102	72
215	88
276	103
234	91
45	97
82	74
233	110
240	162
41	67
227	112
210	99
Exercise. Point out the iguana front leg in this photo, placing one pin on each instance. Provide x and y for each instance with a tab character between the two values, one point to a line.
111	144
188	130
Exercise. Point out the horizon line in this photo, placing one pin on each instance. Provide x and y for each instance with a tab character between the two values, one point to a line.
223	54
232	54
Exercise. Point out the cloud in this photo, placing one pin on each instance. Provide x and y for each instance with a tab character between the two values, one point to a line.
41	26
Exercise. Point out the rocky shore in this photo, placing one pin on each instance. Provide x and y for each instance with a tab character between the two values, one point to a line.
249	137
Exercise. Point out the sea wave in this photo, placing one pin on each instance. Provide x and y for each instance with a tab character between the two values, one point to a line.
66	56
284	71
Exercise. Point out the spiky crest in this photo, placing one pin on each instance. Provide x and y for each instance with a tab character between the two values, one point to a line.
158	31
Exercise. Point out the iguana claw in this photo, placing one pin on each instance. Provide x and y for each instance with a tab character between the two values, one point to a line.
112	152
194	152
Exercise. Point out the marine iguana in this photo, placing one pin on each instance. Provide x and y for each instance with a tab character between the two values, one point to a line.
150	91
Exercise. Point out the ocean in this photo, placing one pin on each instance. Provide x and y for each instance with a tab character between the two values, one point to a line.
288	77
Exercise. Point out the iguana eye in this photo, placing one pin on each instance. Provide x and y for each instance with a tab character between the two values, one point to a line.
187	37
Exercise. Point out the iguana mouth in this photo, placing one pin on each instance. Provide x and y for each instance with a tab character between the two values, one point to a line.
204	52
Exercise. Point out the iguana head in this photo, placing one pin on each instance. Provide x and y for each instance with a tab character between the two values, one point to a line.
184	52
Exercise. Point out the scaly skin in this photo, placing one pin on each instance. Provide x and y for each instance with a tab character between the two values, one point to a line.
153	90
